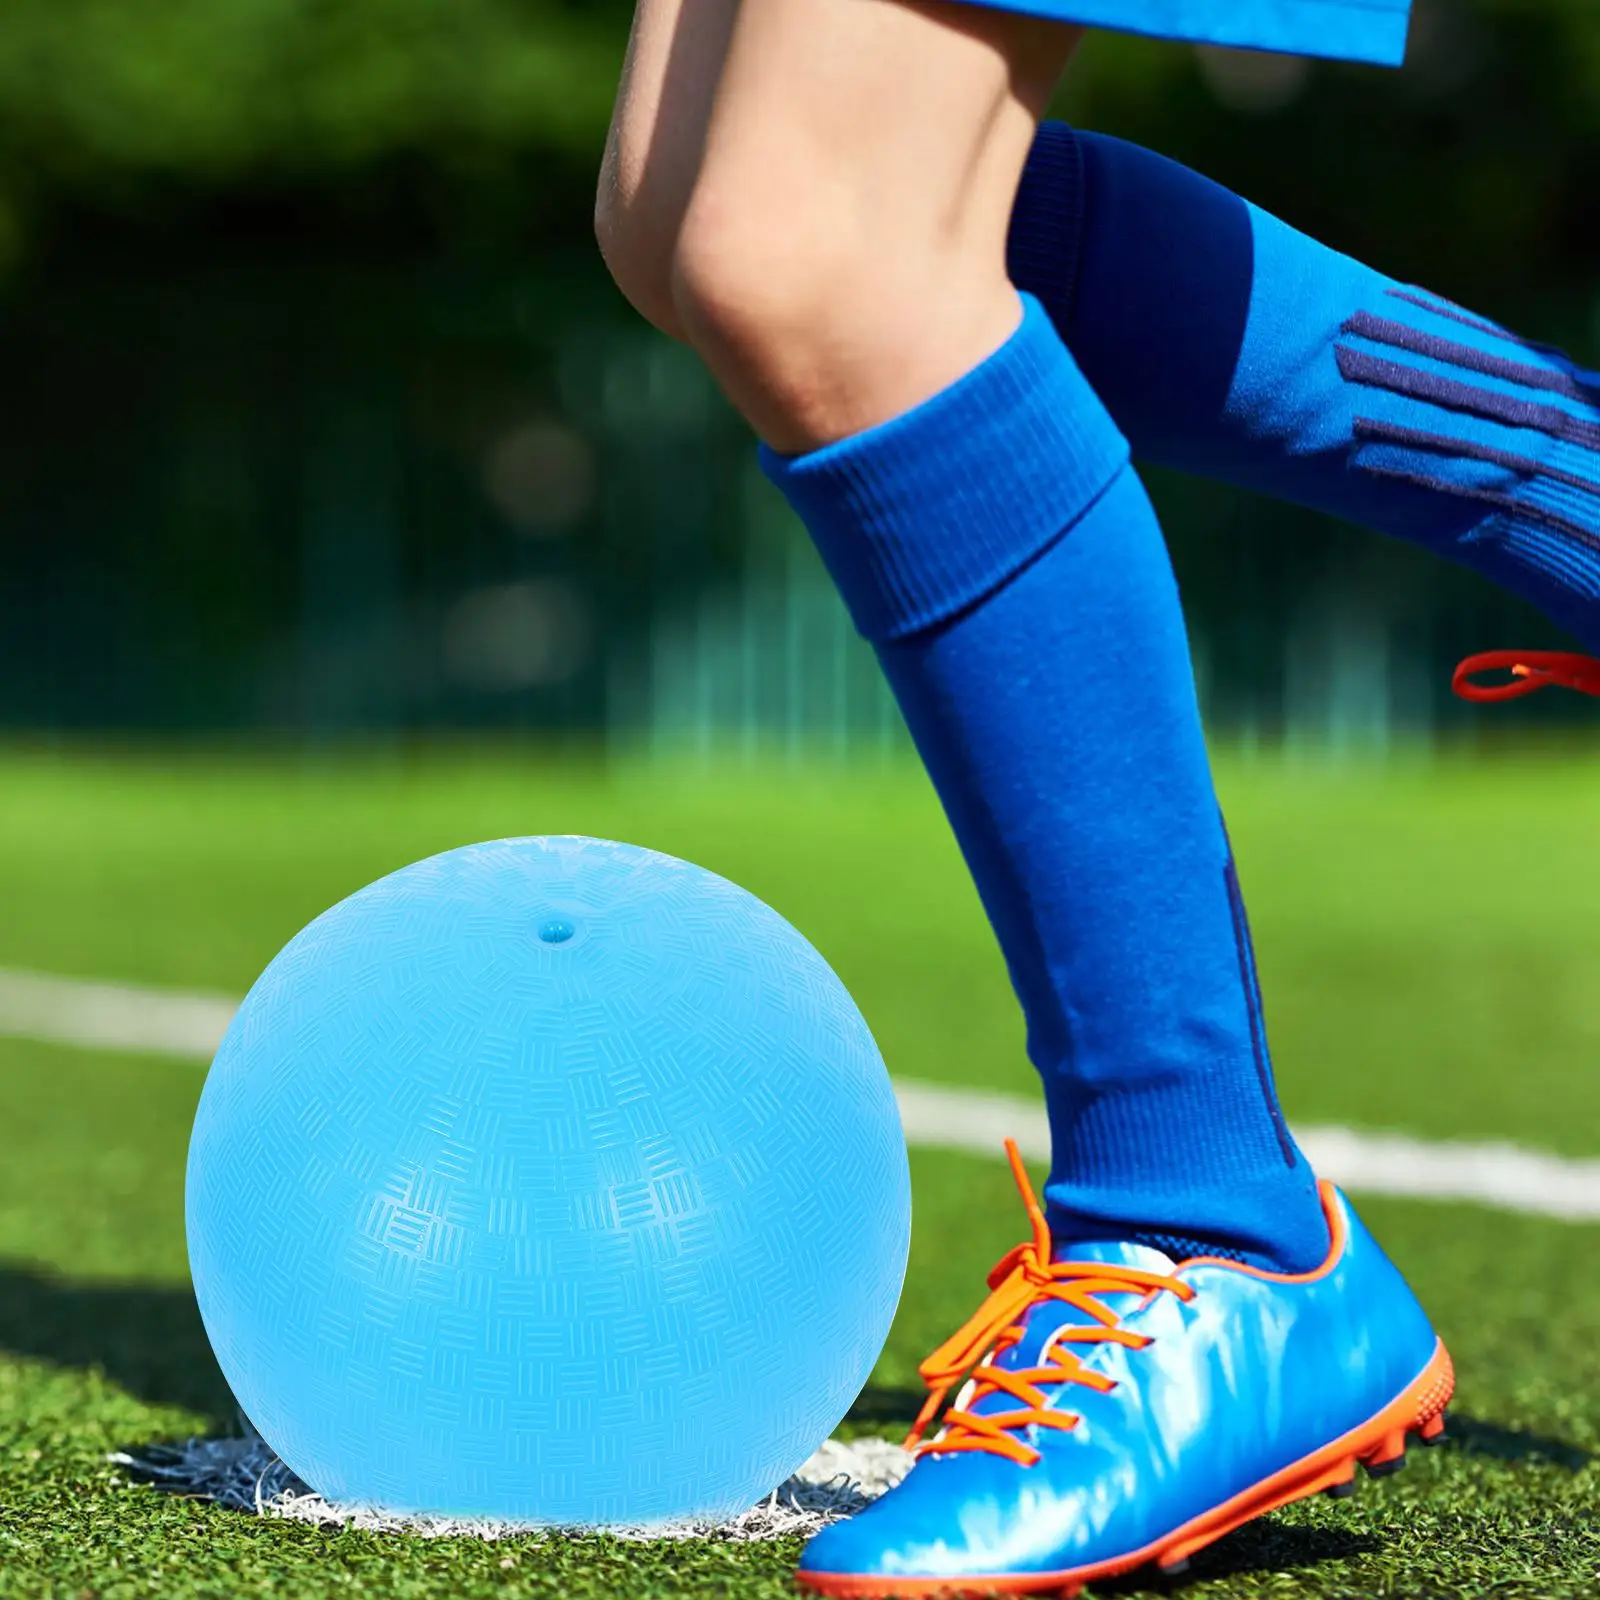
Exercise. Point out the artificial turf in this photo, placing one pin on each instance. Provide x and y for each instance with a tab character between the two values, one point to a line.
1433	964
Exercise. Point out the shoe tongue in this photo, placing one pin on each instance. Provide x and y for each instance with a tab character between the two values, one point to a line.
1042	1320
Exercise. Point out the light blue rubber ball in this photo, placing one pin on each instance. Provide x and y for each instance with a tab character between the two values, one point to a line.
552	1181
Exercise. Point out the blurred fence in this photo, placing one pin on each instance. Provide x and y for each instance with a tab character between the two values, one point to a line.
334	502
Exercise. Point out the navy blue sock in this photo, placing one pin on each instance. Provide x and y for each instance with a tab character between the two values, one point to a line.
1225	343
997	549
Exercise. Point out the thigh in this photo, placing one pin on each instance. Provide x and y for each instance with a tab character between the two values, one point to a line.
892	108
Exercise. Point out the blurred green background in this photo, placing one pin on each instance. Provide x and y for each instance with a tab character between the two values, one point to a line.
323	420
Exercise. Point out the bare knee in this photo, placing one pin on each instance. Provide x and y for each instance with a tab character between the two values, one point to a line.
747	283
763	290
637	234
822	315
653	151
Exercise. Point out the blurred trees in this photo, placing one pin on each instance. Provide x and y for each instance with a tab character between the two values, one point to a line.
1475	168
287	284
1478	165
117	108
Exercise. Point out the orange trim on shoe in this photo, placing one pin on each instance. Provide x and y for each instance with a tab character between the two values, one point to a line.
1332	1211
1376	1444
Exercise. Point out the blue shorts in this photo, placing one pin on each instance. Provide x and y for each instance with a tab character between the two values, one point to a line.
1349	30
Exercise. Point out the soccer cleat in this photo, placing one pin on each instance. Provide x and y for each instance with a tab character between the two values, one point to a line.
1122	1410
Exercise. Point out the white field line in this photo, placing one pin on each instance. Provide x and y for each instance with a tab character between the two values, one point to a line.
1498	1175
107	1016
102	1016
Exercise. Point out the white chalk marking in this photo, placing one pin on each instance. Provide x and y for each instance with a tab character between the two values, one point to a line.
124	1017
112	1016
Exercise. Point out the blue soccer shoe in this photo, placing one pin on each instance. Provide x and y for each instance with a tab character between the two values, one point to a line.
1121	1409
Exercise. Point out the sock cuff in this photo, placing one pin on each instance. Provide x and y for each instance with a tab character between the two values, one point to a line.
1047	221
1188	1153
921	518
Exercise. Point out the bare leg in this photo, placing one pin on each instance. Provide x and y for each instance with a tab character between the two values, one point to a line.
842	257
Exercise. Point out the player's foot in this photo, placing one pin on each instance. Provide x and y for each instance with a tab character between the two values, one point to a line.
1125	1410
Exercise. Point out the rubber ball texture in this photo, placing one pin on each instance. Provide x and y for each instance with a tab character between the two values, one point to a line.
549	1180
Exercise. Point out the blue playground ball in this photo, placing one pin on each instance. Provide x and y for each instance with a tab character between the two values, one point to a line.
550	1181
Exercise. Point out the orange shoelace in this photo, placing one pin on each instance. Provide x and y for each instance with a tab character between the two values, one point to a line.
1023	1278
1529	672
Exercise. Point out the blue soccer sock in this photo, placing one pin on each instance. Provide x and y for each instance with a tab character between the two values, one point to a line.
1225	343
997	549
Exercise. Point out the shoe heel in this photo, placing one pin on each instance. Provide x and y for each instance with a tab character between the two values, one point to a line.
1432	1400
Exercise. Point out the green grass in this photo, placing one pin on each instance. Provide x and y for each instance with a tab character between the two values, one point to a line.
1433	962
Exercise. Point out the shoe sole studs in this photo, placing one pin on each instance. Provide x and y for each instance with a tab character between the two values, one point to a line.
1389	1457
